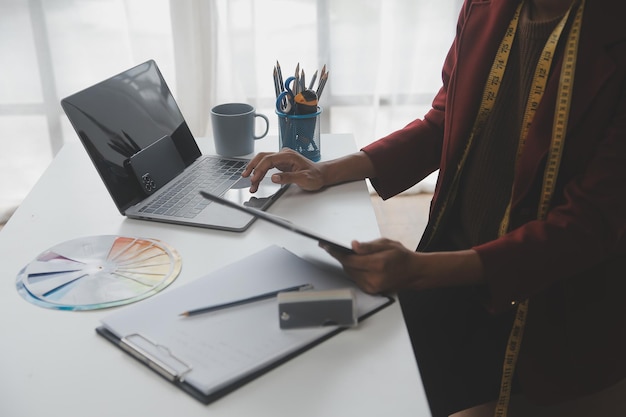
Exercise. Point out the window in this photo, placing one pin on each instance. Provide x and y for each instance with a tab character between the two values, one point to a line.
384	58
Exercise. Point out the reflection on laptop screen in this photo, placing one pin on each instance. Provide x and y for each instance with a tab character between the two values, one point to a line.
123	115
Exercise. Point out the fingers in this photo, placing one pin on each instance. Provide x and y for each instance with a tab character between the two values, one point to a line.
357	267
296	169
366	248
254	162
378	266
257	167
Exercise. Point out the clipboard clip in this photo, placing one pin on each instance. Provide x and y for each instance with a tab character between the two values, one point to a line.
156	356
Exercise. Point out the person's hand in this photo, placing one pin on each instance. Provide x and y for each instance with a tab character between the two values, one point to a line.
379	266
384	265
296	169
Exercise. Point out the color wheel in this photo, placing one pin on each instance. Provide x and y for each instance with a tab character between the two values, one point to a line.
98	272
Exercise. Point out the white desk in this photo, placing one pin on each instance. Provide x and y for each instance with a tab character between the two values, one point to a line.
52	363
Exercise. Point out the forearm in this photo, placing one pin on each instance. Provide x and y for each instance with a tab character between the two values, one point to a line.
353	167
384	265
448	269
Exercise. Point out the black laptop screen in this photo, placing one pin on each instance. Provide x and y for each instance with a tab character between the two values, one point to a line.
122	115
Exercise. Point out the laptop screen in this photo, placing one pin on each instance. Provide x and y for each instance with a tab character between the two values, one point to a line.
122	115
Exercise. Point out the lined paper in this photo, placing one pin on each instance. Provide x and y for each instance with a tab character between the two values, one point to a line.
225	346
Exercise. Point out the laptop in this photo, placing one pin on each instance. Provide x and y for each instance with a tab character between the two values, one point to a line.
140	144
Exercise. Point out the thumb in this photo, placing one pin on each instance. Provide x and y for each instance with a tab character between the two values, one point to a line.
288	178
280	178
362	248
366	248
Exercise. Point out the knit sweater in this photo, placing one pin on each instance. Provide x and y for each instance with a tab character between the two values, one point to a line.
487	180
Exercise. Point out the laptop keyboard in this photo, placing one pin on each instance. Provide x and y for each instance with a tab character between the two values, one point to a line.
181	199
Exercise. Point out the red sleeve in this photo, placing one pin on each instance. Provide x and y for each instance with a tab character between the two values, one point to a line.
408	155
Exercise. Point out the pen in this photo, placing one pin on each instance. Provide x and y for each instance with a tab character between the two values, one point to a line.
243	301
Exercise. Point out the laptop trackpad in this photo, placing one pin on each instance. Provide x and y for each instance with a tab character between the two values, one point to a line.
261	199
223	217
242	183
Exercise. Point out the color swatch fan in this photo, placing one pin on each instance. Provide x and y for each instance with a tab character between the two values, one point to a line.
98	272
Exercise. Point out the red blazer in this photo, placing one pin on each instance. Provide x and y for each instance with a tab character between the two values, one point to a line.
572	266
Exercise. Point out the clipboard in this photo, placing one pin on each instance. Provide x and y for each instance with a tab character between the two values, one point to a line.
209	356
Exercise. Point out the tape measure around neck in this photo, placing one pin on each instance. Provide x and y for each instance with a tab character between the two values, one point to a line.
538	87
563	102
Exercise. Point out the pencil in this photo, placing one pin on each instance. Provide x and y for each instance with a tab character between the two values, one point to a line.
243	301
321	84
312	83
276	83
296	82
280	77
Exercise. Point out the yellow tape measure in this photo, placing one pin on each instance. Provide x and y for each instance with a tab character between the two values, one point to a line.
566	82
490	93
564	100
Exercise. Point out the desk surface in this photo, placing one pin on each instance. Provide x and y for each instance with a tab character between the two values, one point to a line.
52	363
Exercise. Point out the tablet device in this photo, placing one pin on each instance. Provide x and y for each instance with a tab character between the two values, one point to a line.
278	221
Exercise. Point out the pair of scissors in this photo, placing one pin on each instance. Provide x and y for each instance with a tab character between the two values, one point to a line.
284	101
288	102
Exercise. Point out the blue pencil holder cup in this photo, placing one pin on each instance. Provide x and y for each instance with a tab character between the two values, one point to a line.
300	132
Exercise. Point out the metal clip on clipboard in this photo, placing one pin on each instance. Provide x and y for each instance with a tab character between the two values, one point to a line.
156	356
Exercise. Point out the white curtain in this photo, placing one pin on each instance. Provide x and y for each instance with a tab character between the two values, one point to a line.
383	56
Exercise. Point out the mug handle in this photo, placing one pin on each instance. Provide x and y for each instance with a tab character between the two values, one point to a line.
267	125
